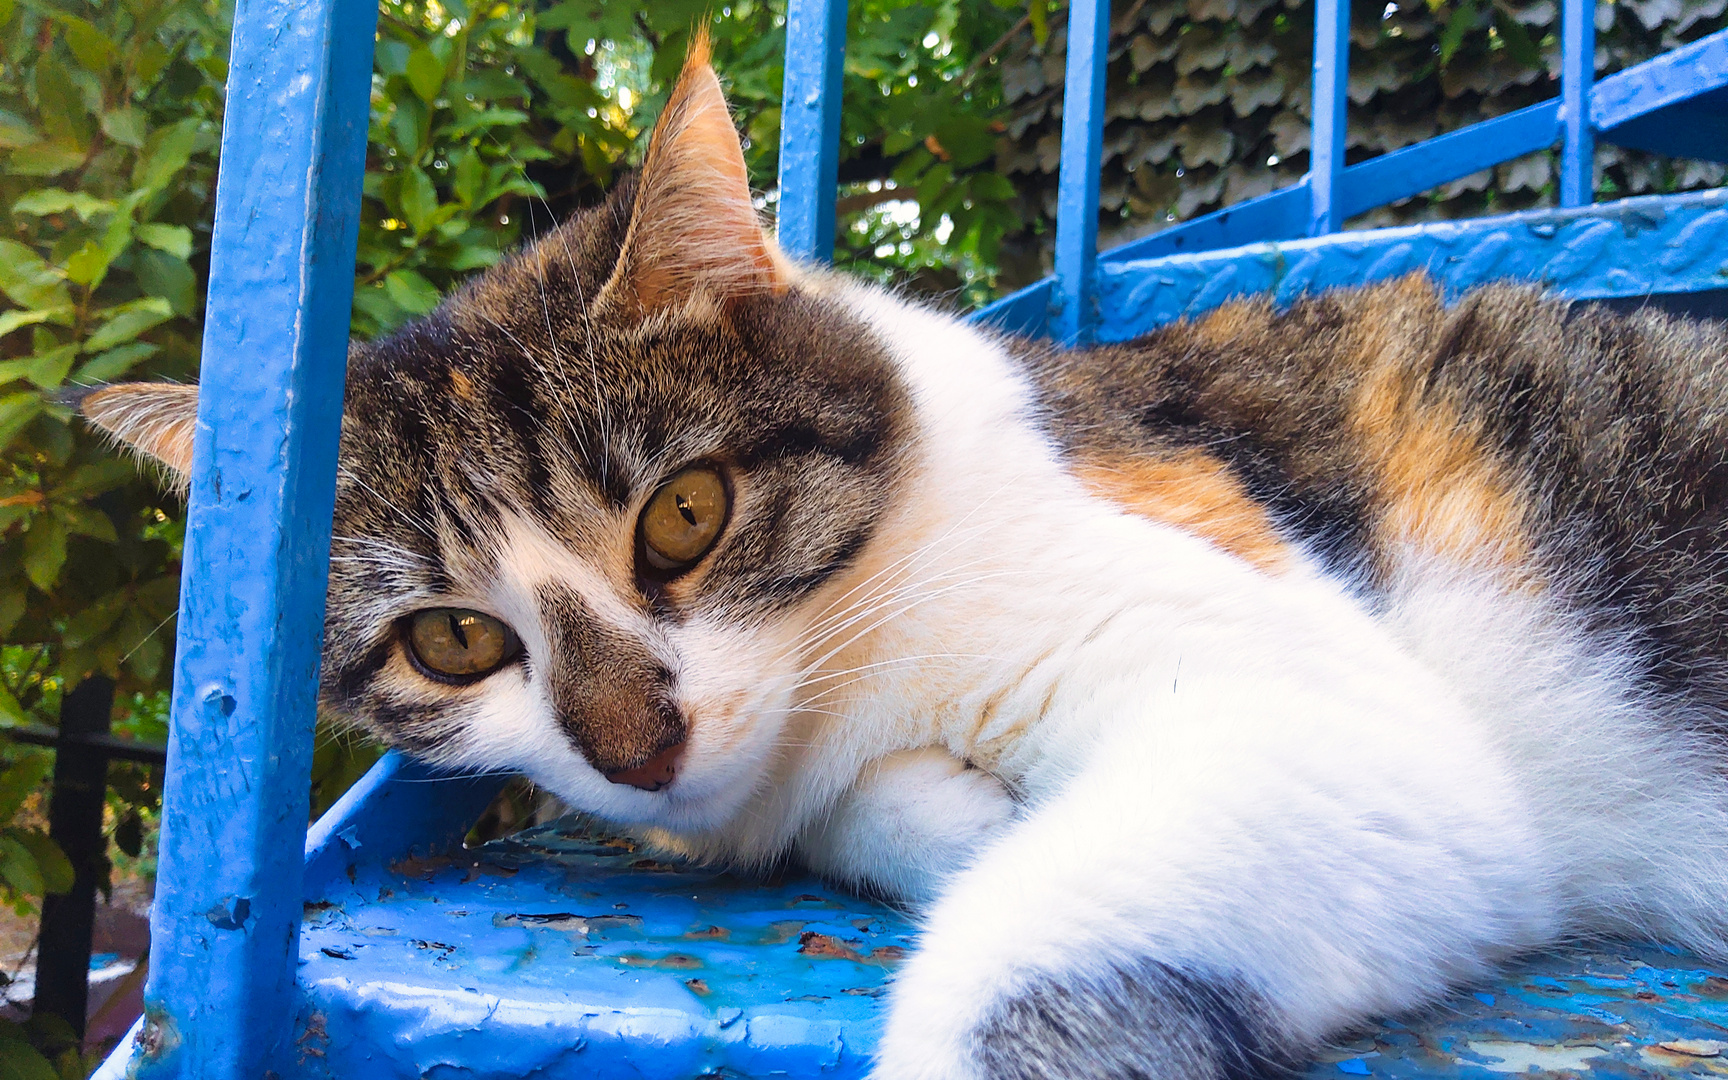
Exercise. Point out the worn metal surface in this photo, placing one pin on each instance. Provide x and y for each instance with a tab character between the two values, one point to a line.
1655	244
557	954
1075	295
560	954
1605	1011
227	908
400	808
810	127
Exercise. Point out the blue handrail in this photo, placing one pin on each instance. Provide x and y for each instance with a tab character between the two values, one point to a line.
1577	71
1330	121
220	996
1075	310
810	127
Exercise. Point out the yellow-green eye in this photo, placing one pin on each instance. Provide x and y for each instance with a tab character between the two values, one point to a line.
684	518
459	644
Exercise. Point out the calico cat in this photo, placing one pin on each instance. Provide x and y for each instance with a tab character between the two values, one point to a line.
1210	694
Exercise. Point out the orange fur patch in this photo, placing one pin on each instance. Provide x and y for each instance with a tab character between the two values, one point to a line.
1440	489
1196	493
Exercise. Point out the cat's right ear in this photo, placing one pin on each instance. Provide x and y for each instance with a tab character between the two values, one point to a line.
694	232
154	419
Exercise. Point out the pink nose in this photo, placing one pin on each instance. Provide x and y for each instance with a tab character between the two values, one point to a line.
653	774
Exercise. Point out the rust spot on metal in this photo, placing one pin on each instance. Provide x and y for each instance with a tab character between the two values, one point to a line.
712	933
698	987
669	962
827	947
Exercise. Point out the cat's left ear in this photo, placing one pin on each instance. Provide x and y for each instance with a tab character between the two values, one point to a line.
155	419
694	230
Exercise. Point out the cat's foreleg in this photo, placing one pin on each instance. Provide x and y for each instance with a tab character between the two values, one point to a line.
908	824
1214	899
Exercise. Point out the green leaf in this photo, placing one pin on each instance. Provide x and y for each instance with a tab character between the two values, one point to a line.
161	274
425	73
127	321
114	363
176	240
145	658
29	281
44	201
1038	13
411	292
92	479
48	370
20	1061
18	866
86	521
13	599
468	176
1517	39
1462	20
166	153
487	118
44	552
126	126
60	103
15	131
474	257
90	47
94	619
51	862
45	159
17	320
89	264
419	198
16	411
18	781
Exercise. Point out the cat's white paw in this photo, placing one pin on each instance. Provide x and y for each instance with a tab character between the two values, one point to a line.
912	821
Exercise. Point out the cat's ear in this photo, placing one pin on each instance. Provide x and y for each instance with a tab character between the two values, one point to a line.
694	230
155	419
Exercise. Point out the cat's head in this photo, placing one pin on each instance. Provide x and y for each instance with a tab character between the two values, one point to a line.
588	510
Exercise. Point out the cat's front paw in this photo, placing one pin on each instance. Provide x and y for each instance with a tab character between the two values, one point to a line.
912	821
1109	1019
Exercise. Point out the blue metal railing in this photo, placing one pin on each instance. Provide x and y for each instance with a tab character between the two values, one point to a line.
221	992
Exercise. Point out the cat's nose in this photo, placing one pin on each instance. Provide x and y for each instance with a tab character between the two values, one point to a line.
653	774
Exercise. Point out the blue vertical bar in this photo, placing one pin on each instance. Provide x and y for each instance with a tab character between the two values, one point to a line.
1330	109
1577	72
220	998
1077	193
810	127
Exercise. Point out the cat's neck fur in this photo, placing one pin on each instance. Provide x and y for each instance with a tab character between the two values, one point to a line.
1002	606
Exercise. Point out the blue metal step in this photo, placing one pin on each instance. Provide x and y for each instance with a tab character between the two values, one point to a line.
561	953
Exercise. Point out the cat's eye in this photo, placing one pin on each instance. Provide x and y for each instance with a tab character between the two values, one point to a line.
459	644
683	519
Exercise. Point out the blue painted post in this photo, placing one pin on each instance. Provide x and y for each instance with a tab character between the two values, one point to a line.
1330	109
1577	72
1076	313
810	127
220	1001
